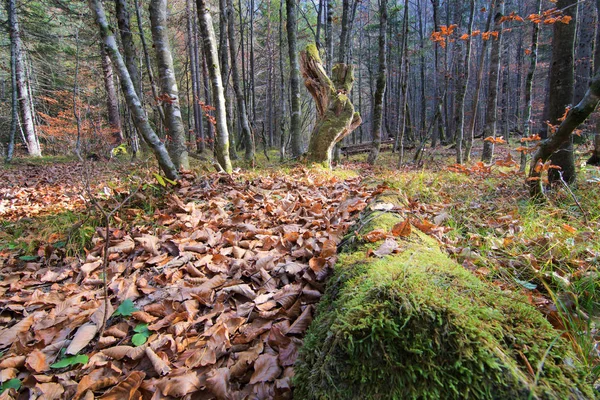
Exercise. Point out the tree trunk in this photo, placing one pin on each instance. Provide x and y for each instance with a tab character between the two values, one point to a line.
140	118
124	22
561	88
462	90
381	84
212	60
193	54
24	100
296	122
168	85
15	96
224	64
471	133
335	113
491	115
563	135
283	116
404	69
239	94
329	37
584	50
529	85
159	108
112	102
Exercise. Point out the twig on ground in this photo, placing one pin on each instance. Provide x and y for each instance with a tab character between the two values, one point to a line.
583	212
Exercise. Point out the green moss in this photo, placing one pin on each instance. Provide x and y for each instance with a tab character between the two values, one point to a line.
418	325
313	52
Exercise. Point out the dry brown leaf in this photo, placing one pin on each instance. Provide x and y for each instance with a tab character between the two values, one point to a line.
329	249
125	246
7	374
386	248
82	338
36	361
50	390
149	243
118	352
402	229
301	324
179	383
375	236
266	369
127	388
8	336
13	362
245	359
160	366
218	383
143	316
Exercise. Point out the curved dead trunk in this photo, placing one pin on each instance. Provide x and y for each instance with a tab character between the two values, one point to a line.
336	117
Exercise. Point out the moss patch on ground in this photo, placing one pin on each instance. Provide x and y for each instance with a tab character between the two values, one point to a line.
418	325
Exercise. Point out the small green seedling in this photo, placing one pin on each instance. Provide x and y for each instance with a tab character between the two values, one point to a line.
141	336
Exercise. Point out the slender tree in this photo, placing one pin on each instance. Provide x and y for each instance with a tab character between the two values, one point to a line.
296	120
462	90
140	118
381	84
237	87
209	41
168	85
112	102
23	91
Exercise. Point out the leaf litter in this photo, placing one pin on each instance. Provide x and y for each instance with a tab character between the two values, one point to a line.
209	298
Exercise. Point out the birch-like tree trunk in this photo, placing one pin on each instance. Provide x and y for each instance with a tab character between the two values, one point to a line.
140	118
381	84
192	51
168	85
112	101
224	64
296	122
212	60
124	23
237	87
28	123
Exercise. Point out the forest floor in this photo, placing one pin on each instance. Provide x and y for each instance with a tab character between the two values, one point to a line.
212	282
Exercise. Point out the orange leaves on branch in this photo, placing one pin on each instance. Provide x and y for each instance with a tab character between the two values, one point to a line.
498	140
543	167
564	116
532	138
440	37
549	17
513	16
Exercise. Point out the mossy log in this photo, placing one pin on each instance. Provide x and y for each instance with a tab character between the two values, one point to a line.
417	325
336	117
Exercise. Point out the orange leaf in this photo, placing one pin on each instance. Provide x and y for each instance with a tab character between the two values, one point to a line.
375	236
569	228
402	229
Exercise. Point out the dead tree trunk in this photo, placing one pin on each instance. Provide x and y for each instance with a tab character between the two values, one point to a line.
335	113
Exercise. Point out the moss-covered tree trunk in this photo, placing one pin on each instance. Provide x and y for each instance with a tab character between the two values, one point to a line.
336	117
413	324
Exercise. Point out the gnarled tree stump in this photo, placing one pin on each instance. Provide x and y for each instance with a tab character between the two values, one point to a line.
336	117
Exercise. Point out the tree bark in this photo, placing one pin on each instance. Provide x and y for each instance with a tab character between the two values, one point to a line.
112	102
212	60
491	116
584	50
140	118
335	113
24	100
124	22
168	85
561	88
529	85
224	64
15	96
296	122
239	94
381	84
471	133
575	117
283	111
193	54
462	90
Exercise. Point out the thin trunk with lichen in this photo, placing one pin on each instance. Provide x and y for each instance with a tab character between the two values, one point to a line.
140	119
336	117
209	41
168	85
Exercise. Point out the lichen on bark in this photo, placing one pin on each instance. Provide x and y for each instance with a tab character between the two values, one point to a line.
336	117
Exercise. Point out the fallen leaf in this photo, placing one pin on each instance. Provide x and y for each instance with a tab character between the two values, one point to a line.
386	248
266	369
402	229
